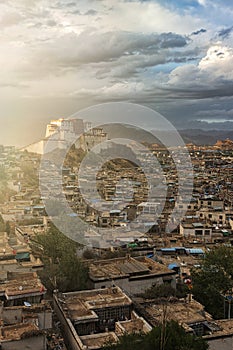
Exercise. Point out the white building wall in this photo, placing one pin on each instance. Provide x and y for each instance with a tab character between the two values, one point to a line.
186	232
37	147
134	286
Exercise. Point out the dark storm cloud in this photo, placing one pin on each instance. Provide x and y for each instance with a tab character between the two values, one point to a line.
131	66
225	33
223	90
71	50
172	40
199	32
219	114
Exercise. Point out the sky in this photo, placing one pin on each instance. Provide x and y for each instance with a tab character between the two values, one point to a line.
58	57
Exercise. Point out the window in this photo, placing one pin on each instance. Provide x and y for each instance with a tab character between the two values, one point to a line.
198	329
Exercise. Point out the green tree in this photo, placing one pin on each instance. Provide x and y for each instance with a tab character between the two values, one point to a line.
63	270
2	224
8	228
31	177
173	337
3	175
213	280
74	156
167	336
129	342
5	191
165	291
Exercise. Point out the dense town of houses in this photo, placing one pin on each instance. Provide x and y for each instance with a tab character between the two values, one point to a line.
112	307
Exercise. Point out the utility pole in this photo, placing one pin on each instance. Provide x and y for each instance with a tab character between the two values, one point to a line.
163	327
224	306
229	306
44	338
229	298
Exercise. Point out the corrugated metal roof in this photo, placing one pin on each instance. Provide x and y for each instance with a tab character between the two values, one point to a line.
168	249
195	251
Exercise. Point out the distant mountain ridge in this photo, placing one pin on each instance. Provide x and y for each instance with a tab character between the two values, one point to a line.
197	137
205	137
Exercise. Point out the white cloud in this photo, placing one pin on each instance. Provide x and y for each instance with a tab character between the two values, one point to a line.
217	64
202	2
211	77
218	61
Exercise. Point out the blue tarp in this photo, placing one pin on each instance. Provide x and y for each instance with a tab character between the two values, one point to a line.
195	251
172	266
22	256
168	249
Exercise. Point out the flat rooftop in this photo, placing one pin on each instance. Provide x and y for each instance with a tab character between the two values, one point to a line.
132	326
126	267
22	285
222	328
97	341
137	324
81	305
183	312
15	332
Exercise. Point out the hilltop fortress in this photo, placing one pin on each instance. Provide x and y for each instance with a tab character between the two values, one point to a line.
62	131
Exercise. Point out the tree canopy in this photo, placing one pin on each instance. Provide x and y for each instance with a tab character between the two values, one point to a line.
165	291
213	280
170	336
63	270
31	177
